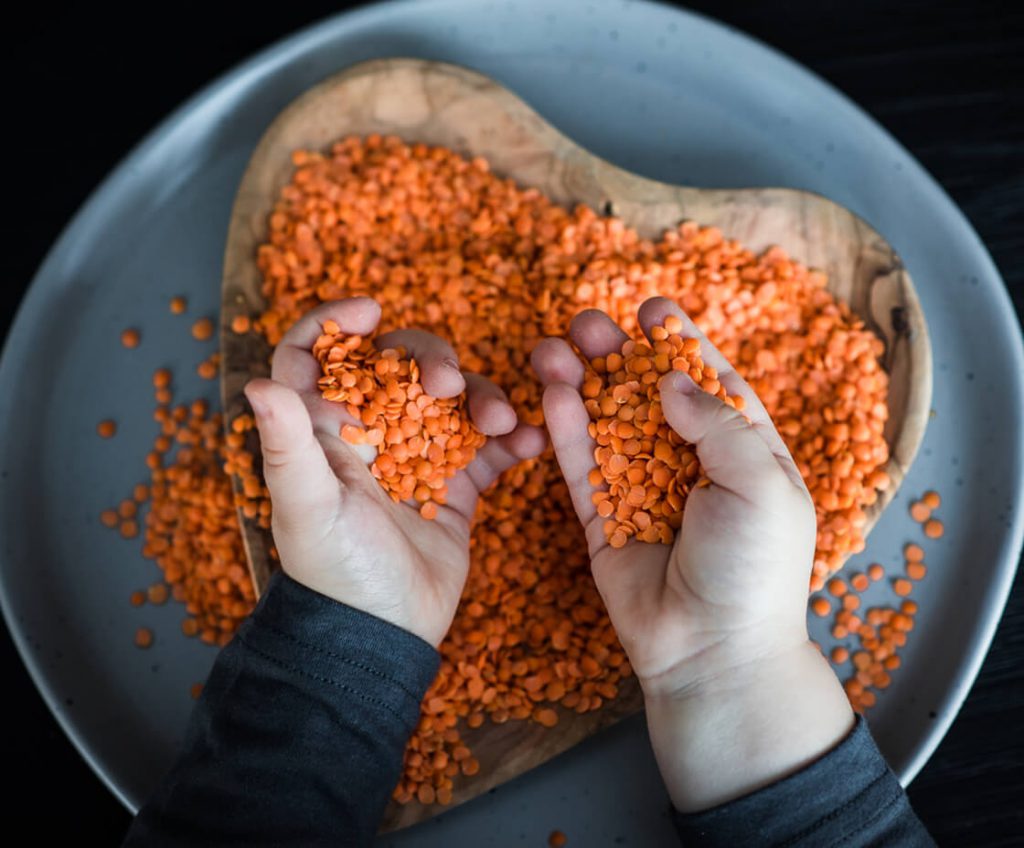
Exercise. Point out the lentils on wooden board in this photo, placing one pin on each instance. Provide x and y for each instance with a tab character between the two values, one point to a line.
444	245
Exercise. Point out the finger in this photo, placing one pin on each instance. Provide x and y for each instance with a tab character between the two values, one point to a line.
595	334
489	408
652	313
567	422
555	362
733	455
303	489
439	366
490	462
294	364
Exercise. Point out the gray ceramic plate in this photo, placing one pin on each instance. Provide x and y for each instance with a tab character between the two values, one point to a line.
664	93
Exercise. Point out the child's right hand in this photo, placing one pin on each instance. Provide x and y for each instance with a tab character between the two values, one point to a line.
715	622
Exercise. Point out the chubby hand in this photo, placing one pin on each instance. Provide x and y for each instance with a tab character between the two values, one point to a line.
715	624
336	530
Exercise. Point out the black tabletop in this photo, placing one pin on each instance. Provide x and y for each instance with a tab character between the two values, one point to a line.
945	78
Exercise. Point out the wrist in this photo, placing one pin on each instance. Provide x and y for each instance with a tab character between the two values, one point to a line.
722	662
751	723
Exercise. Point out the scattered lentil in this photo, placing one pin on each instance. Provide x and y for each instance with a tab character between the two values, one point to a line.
920	511
203	329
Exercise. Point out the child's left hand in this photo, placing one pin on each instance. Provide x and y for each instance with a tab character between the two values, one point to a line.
335	528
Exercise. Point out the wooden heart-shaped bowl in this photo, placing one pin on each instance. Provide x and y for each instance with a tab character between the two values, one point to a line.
441	104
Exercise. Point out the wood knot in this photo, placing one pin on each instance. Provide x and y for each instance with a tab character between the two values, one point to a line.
898	320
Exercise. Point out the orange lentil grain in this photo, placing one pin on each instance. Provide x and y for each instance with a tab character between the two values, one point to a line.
557	839
876	572
241	324
195	690
203	329
143	637
821	607
178	305
920	511
138	598
109	518
913	553
158	593
932	500
106	429
934	529
916	570
901	586
130	338
209	368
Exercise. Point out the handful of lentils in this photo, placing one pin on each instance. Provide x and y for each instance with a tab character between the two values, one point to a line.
647	467
421	440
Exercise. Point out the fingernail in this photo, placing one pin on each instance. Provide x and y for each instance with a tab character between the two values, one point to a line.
259	407
683	383
451	363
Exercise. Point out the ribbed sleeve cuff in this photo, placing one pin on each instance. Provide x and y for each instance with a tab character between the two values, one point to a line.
849	790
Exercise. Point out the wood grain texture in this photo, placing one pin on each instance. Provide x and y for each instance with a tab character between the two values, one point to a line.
446	105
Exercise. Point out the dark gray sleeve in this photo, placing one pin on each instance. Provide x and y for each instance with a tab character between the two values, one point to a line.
848	798
299	734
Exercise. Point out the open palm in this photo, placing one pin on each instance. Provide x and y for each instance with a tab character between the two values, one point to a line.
734	583
335	528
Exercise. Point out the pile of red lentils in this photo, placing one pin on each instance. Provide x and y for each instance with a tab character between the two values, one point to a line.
445	245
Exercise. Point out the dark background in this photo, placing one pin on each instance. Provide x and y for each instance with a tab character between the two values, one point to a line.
84	85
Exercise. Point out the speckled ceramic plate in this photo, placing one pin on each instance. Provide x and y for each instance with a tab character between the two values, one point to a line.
666	94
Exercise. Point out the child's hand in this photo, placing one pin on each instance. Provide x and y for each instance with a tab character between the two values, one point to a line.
335	528
723	606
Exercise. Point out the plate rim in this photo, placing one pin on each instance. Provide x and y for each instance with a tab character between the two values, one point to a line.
301	40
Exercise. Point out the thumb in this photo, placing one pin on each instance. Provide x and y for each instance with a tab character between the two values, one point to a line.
303	488
732	453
